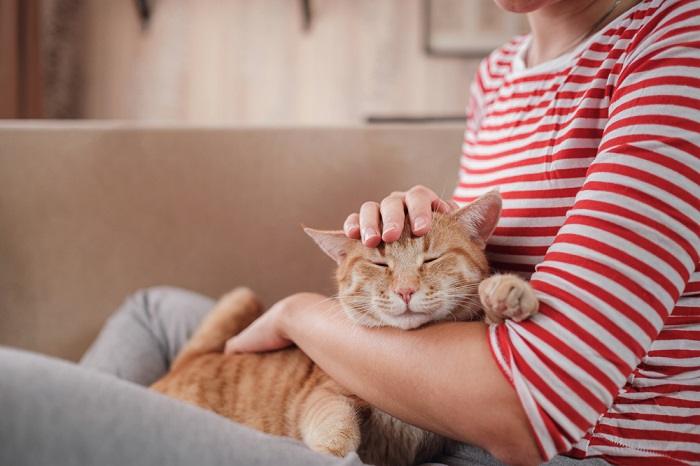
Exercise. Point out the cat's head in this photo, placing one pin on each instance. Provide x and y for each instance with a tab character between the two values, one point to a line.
416	280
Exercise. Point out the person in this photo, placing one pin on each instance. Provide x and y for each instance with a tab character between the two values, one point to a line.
590	128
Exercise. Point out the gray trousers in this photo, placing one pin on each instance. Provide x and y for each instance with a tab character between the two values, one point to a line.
99	413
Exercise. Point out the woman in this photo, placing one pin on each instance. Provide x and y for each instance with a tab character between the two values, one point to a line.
590	126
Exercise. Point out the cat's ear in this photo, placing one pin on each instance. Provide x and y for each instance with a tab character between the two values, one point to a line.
481	216
333	243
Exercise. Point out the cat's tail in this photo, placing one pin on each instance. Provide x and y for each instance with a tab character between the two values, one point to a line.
234	312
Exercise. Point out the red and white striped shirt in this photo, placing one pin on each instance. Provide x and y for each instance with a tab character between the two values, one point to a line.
597	157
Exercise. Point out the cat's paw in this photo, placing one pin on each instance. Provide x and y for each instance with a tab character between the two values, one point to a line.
338	443
507	297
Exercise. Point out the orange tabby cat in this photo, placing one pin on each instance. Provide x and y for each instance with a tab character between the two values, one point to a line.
404	284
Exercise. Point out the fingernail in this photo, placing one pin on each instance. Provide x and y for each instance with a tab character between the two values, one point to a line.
420	223
368	233
390	227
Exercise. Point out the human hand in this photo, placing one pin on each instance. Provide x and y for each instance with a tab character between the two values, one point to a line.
420	202
268	332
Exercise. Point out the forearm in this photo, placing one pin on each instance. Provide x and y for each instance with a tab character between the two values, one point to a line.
442	377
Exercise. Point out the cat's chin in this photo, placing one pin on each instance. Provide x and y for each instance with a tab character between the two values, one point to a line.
405	320
408	320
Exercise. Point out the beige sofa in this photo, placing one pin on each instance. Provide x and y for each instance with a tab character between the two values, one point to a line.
91	212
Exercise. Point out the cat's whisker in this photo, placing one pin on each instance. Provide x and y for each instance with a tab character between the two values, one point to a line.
459	295
452	314
324	301
458	291
466	302
466	287
458	299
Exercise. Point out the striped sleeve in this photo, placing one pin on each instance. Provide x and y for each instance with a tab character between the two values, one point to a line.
627	248
475	102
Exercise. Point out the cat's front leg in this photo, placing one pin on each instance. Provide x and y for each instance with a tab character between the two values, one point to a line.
505	296
329	421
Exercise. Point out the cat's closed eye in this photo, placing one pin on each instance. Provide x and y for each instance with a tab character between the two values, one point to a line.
432	259
379	264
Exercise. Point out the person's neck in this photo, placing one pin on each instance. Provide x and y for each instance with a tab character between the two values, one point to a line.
562	26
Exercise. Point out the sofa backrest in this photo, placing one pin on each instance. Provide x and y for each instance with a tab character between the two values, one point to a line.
92	212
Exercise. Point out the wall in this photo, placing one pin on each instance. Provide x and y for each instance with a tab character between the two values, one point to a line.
250	62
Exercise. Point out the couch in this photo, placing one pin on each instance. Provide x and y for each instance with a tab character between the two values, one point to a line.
90	212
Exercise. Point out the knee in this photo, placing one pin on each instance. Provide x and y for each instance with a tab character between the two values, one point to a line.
152	296
153	302
144	301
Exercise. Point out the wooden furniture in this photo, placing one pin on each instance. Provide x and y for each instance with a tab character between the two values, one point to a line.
20	64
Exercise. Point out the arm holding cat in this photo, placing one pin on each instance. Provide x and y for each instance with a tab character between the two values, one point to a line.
442	388
465	398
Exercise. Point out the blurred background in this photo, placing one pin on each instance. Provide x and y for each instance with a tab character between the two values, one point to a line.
271	62
214	128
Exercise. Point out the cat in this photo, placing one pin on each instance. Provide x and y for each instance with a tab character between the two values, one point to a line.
406	284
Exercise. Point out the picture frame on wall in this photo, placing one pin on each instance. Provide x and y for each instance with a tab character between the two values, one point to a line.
468	28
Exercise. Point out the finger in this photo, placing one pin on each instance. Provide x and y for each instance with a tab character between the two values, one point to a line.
369	224
253	340
438	205
230	346
244	344
392	212
351	227
419	201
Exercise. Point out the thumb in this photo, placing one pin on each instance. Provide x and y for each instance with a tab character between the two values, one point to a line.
232	346
251	341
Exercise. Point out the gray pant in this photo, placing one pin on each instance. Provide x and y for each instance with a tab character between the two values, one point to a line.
56	413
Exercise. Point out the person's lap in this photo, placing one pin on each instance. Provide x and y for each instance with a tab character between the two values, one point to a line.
140	340
77	415
57	413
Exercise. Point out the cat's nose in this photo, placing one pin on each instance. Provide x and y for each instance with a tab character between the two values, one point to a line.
405	293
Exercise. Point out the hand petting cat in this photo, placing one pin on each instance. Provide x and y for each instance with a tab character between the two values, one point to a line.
420	203
503	296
